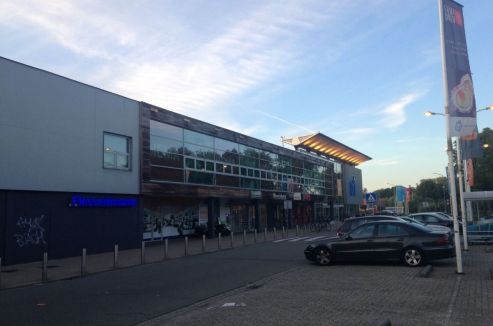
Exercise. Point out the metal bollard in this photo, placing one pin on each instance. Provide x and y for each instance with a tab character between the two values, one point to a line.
283	230
244	237
297	230
255	236
143	253
186	246
83	263
44	269
166	248
203	243
219	241
232	240
115	257
275	234
265	234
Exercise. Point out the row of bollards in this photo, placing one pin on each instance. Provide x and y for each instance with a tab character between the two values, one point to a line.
83	268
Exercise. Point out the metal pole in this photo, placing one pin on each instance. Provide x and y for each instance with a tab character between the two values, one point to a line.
451	173
143	253
115	258
219	241
44	269
265	234
255	235
468	189
83	265
461	194
186	246
231	240
166	252
244	237
275	234
283	230
297	229
203	243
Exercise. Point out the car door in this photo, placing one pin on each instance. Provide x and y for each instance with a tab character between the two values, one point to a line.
389	240
357	245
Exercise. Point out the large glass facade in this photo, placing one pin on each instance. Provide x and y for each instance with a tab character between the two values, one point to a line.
185	156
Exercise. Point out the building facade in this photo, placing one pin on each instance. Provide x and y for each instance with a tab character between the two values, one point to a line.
85	168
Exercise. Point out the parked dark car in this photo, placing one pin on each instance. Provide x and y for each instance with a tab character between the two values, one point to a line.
434	219
384	240
353	222
430	226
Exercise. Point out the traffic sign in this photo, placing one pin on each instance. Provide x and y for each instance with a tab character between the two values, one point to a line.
371	198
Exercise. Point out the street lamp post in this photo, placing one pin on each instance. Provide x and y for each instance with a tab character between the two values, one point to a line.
452	188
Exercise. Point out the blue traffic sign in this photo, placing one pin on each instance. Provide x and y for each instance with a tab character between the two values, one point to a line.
371	198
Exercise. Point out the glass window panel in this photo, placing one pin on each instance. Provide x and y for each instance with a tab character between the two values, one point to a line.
249	161
199	177
228	157
198	151
198	138
227	181
166	130
250	172
256	173
166	159
122	161
243	171
109	159
266	165
236	170
116	151
209	166
115	143
262	174
166	174
267	185
200	165
166	145
226	145
250	183
190	163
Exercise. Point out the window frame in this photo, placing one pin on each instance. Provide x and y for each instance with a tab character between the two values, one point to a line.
128	155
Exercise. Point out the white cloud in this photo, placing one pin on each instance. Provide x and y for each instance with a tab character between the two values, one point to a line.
394	114
84	30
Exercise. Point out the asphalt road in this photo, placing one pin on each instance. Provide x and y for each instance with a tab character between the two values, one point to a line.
133	295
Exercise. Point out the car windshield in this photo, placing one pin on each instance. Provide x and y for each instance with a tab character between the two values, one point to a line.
410	220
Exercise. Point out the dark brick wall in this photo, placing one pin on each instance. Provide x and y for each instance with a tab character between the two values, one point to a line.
36	222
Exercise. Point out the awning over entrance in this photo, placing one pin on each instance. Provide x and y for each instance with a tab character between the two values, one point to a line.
324	145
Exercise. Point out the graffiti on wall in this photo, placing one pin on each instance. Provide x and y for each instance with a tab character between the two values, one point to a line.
29	231
170	221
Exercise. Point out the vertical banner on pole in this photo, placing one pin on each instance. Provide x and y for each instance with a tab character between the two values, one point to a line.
459	87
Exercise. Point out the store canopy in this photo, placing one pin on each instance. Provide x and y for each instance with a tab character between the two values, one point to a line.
324	145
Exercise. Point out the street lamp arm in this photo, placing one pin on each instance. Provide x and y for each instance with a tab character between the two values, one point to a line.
488	108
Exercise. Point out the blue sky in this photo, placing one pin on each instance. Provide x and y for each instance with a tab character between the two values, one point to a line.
360	71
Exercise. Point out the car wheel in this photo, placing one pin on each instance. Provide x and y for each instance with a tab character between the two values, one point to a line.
413	257
323	256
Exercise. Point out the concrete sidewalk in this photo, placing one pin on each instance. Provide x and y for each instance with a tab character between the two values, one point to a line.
155	251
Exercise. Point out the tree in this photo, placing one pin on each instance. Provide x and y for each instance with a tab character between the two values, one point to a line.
483	166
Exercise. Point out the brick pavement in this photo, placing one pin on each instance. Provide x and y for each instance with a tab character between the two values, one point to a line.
355	294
